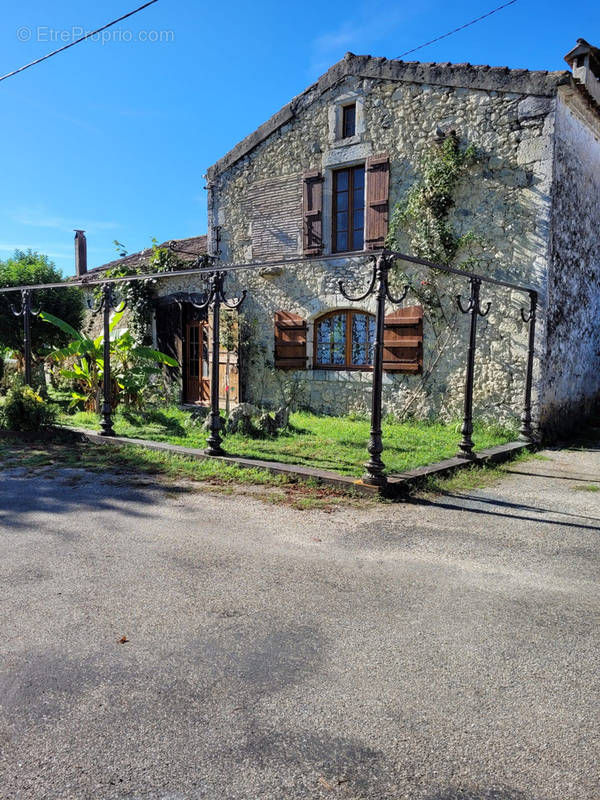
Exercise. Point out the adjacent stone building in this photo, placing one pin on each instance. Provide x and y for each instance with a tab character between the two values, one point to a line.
311	191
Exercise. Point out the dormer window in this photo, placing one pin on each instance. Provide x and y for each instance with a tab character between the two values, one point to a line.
348	121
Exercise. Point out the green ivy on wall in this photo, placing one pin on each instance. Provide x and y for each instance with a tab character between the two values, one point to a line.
424	217
140	295
426	208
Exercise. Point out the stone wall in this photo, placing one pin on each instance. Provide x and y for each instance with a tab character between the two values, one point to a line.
505	201
570	386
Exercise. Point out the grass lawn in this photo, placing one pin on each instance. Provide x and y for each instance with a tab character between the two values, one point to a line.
333	443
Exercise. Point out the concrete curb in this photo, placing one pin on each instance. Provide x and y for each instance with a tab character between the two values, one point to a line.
399	485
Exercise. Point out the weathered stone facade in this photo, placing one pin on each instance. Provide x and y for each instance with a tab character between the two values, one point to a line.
510	116
531	199
570	384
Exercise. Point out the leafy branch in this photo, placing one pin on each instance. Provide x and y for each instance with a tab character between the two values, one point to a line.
140	295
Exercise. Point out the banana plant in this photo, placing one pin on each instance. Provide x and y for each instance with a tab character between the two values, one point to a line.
131	365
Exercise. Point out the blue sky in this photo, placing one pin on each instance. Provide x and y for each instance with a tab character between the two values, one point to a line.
114	137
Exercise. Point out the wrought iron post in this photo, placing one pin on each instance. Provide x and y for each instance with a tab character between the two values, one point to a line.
529	318
26	312
106	305
473	308
216	297
379	285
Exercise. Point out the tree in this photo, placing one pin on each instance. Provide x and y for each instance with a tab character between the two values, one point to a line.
28	268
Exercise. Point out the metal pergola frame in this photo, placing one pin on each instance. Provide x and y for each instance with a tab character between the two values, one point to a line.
382	260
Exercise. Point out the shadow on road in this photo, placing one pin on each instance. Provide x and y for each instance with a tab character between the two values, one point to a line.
73	492
467	502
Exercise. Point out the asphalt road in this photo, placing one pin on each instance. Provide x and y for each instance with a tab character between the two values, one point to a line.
445	650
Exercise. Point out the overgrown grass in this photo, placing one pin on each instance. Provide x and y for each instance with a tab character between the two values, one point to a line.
332	443
477	476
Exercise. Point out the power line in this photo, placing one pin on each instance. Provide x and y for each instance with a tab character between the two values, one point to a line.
81	39
461	28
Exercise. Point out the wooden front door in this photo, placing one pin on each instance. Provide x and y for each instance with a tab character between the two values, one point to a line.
197	381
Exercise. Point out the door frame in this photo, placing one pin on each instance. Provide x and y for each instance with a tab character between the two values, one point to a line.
202	395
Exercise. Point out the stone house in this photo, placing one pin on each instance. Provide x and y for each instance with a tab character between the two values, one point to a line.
311	191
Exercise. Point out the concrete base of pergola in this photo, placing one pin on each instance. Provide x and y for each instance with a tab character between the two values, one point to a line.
398	485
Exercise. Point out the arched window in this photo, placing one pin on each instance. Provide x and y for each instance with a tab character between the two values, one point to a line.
344	340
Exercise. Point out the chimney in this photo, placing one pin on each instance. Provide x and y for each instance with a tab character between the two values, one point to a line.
584	60
80	253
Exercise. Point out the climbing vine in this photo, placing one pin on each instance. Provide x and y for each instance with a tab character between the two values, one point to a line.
424	218
428	203
140	295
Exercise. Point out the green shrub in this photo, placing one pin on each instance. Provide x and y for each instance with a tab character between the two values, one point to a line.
25	410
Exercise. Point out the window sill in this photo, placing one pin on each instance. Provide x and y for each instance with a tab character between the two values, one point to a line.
342	368
342	253
358	138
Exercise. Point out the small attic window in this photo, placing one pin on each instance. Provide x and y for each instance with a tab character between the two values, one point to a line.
348	121
580	61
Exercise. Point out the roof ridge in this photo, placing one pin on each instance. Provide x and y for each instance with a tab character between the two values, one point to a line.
464	75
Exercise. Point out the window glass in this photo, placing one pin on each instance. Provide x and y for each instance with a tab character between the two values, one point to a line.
342	179
348	215
345	339
204	352
349	121
363	335
331	340
194	352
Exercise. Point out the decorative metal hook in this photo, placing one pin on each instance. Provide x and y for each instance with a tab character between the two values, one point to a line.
25	305
461	308
215	290
397	300
528	316
107	299
474	302
487	310
368	291
237	303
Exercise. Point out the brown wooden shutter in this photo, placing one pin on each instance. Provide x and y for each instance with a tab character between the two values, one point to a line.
403	341
290	341
312	213
378	192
